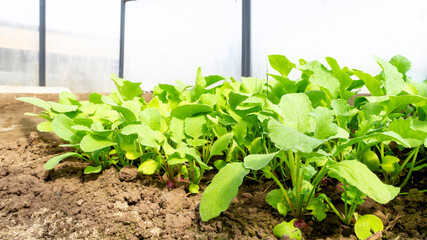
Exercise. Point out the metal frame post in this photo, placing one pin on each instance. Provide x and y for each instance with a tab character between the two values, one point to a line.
246	38
122	37
42	43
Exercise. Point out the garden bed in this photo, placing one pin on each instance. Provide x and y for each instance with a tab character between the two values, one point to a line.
66	204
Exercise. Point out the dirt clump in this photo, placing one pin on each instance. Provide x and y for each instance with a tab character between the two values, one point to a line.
64	203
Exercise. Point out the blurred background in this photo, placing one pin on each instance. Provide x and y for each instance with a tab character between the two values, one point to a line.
78	44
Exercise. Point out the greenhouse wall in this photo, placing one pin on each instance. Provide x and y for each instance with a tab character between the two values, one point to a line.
19	43
168	40
349	31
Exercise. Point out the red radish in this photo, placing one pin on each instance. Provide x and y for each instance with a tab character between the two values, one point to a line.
339	188
300	224
170	184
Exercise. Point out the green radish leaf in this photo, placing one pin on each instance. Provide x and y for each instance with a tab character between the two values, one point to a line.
341	110
404	128
287	229
239	132
151	117
213	79
371	83
195	126
317	208
294	109
55	160
196	156
61	108
366	224
274	197
127	89
87	107
45	127
393	81
176	128
36	101
344	79
234	99
287	138
370	159
281	64
194	188
220	164
223	188
176	161
140	130
376	137
200	85
401	63
92	143
397	102
189	110
81	128
61	126
220	144
323	78
256	146
126	113
358	175
389	162
251	84
107	100
208	99
258	161
288	85
282	208
95	98
316	97
325	127
133	106
148	167
92	169
132	155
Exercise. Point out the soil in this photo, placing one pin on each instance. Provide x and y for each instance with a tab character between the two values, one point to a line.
64	203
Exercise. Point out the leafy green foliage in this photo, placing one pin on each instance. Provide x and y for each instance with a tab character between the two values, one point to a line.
222	190
359	176
287	229
367	223
296	131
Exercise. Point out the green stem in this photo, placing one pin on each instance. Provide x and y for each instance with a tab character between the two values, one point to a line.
334	209
408	158
283	190
316	182
353	206
297	186
165	164
406	193
411	169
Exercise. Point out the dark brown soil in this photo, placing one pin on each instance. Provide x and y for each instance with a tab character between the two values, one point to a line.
66	204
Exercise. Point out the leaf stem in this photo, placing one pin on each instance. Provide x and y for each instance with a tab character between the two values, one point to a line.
334	209
316	182
283	190
411	169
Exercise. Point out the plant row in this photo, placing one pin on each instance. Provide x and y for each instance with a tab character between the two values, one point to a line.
296	132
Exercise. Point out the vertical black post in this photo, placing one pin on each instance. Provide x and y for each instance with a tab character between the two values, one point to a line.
246	38
42	43
122	37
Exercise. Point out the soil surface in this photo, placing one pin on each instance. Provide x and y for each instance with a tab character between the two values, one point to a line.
66	204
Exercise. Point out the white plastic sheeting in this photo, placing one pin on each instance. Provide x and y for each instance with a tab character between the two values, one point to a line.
167	40
82	44
19	42
350	31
